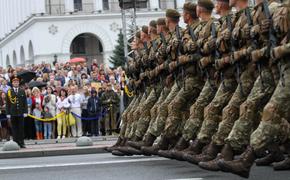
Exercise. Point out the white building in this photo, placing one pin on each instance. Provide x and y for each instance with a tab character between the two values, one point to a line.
33	31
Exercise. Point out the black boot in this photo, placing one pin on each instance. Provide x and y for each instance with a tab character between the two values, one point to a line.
178	144
181	145
117	144
194	149
283	165
240	166
134	139
148	141
209	154
153	150
226	154
275	155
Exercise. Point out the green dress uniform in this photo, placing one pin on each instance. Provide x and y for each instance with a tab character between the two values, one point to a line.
16	109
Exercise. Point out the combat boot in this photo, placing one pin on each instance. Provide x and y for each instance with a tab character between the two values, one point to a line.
148	141
194	149
118	143
153	150
283	165
119	153
128	150
173	143
241	166
134	139
275	155
181	145
226	154
209	154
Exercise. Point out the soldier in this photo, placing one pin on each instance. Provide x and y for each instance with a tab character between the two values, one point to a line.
239	43
172	20
16	109
158	74
202	33
110	101
213	111
193	81
273	128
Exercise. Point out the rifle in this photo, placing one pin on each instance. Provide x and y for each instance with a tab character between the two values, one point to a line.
142	70
164	44
272	40
178	52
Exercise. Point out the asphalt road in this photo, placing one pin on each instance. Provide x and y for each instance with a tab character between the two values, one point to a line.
106	166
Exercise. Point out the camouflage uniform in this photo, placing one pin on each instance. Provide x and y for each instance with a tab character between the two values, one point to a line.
274	126
231	112
260	94
212	113
208	91
145	118
186	96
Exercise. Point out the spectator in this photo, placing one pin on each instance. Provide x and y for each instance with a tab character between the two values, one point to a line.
50	102
29	126
75	100
37	106
85	123
94	110
61	106
5	126
47	126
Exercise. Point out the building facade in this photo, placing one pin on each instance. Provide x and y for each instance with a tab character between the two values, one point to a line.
35	31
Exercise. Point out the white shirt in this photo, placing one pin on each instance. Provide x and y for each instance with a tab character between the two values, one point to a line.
75	100
61	104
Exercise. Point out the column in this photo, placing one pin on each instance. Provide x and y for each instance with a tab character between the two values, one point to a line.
154	4
69	6
179	4
98	5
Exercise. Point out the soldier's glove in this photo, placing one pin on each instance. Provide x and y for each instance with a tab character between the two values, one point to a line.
175	43
205	61
246	33
163	50
183	59
24	115
172	66
210	46
226	35
280	51
265	26
255	31
168	50
221	63
8	116
257	55
145	58
190	47
142	76
152	74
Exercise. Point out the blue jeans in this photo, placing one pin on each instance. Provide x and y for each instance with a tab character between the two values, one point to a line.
47	130
38	126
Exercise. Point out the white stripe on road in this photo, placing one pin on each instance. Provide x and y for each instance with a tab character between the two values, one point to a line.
80	164
188	179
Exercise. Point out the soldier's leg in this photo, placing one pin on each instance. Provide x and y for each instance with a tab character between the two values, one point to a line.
144	120
212	113
260	94
124	120
186	96
158	126
193	124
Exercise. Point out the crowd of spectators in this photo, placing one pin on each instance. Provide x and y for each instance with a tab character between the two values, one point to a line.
84	91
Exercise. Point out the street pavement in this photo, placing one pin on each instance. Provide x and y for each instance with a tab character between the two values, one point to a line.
108	167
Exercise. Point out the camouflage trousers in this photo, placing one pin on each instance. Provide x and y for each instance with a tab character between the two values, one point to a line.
212	113
130	119
274	126
194	122
158	126
145	117
156	109
239	136
124	119
231	112
180	104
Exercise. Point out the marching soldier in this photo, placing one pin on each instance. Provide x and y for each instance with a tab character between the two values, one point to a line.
16	109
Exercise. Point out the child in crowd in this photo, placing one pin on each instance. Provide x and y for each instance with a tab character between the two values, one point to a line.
47	124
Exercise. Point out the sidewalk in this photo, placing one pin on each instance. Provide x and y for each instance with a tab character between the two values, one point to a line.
55	147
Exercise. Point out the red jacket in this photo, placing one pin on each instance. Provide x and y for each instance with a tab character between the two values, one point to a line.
34	101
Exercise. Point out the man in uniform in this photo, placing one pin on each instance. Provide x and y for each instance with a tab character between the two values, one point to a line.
16	109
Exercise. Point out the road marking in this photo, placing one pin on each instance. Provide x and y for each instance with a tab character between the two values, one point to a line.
188	179
80	164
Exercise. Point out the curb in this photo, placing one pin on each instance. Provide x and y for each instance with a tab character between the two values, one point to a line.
45	153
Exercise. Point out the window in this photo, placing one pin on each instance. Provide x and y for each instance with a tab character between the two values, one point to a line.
105	5
78	6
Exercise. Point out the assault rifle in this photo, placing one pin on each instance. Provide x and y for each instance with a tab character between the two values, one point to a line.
178	53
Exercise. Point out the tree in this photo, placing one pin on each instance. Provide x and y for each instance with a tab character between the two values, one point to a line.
118	58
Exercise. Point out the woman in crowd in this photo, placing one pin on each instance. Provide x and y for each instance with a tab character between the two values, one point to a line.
85	123
5	127
29	127
61	106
